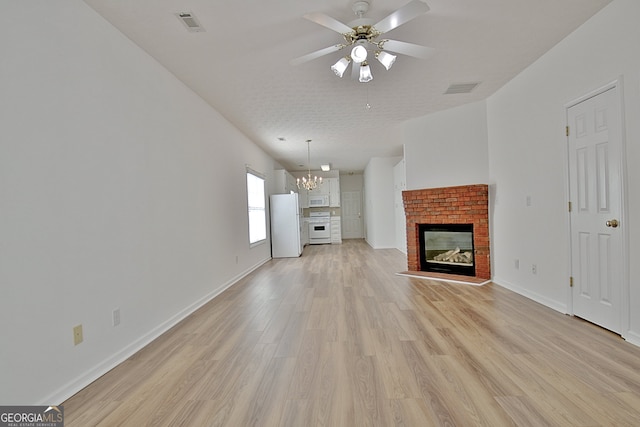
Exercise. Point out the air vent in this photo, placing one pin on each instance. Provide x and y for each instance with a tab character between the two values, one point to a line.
461	88
190	22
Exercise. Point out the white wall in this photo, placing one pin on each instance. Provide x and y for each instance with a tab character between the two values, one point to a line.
447	148
119	188
351	181
527	152
378	198
399	185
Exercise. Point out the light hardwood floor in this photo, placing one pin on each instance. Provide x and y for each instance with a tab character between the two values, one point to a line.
336	338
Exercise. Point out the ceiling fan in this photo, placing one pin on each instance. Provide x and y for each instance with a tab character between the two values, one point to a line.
362	35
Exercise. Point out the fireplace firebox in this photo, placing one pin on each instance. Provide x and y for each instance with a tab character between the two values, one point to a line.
447	248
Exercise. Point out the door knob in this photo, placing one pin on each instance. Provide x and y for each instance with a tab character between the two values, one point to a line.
613	223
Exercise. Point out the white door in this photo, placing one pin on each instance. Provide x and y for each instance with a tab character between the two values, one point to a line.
351	215
595	151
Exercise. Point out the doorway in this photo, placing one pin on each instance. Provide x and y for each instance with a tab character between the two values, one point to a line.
596	195
352	215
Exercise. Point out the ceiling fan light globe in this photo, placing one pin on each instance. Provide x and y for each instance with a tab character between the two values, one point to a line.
339	67
386	59
359	54
365	73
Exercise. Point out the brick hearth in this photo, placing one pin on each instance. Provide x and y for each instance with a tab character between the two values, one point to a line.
467	204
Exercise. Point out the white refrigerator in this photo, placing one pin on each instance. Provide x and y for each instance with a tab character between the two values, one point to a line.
285	226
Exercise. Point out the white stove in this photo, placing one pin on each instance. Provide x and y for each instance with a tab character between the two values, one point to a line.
319	227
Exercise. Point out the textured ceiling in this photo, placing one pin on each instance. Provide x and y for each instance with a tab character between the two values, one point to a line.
240	65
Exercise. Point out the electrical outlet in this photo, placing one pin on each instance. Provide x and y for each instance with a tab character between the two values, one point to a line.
77	335
116	317
534	269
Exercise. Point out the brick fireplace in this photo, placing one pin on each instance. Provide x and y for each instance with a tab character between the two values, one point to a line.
467	204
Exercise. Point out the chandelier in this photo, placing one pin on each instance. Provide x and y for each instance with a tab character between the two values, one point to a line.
306	182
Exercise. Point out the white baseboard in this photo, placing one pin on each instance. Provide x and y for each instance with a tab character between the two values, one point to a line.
77	384
555	305
632	338
379	247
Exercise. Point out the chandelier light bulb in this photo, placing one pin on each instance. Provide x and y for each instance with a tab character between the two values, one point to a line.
359	54
386	59
340	66
365	73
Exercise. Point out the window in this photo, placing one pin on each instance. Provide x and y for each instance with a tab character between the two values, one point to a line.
256	205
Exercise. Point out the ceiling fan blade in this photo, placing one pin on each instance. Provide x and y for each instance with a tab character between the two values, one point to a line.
328	22
317	54
409	49
406	13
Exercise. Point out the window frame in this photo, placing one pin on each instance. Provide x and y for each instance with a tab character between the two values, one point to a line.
262	237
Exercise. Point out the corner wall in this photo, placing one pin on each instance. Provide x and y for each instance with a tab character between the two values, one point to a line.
379	202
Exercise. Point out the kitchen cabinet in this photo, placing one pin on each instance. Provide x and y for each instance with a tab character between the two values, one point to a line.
321	189
334	192
285	183
336	230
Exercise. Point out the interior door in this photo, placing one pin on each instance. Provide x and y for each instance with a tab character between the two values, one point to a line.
351	215
595	151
